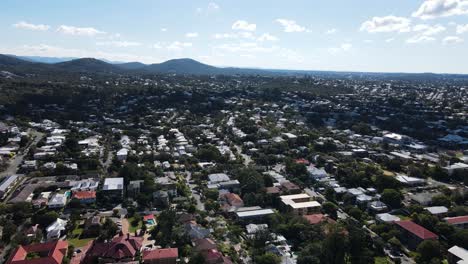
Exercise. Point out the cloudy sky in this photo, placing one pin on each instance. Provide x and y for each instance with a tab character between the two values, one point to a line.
344	35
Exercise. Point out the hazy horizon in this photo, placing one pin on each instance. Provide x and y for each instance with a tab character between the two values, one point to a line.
365	36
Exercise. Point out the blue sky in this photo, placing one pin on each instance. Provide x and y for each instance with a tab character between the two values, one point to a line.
344	35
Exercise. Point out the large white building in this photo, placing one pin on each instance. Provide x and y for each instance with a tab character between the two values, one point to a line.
300	204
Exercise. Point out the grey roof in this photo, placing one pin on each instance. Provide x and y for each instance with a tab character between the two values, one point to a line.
437	209
218	177
7	182
113	184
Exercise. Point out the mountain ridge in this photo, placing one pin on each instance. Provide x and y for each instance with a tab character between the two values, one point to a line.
186	66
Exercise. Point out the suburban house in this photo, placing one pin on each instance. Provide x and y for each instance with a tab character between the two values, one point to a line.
113	187
58	200
85	197
47	253
457	255
300	204
253	215
7	183
122	154
161	256
122	248
54	230
458	221
233	199
413	234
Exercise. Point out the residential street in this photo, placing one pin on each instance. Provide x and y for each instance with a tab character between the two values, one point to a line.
18	159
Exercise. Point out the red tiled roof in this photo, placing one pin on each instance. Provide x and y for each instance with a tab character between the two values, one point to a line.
123	246
416	229
272	190
233	198
148	217
315	218
84	195
212	255
302	161
457	219
163	253
55	252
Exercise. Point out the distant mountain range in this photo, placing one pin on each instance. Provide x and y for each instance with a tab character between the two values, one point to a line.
21	65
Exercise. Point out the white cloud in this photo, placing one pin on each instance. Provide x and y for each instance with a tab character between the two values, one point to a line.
389	40
462	29
331	31
452	40
157	46
191	35
177	45
419	39
245	47
29	26
243	25
238	35
431	9
346	46
386	24
163	29
368	41
120	44
428	30
290	25
79	31
210	8
267	37
342	48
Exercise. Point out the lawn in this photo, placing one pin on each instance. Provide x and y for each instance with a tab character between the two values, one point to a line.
75	240
131	227
77	243
404	217
382	260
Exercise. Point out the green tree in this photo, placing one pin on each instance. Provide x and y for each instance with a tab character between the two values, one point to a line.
392	198
429	250
267	258
441	200
334	247
331	209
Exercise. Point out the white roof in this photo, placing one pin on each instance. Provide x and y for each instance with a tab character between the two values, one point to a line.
113	184
459	252
437	209
386	217
295	196
305	204
407	179
122	151
253	228
59	224
255	213
58	199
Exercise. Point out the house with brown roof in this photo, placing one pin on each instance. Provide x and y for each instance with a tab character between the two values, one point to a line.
47	253
413	234
233	200
161	256
120	249
315	219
